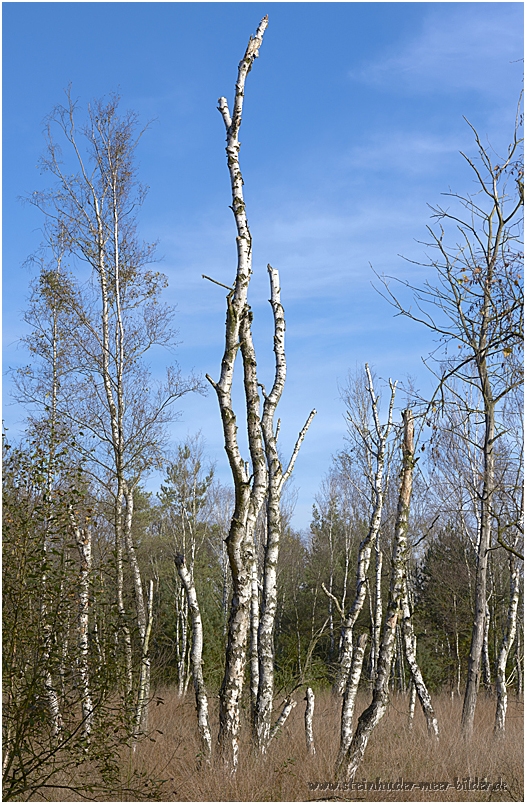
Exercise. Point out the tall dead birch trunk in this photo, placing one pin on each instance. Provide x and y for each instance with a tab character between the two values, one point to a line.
375	711
196	657
506	645
249	486
376	444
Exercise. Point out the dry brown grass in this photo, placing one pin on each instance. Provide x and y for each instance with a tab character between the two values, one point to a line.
288	774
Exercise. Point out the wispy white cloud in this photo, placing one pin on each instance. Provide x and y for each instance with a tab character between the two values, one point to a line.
468	46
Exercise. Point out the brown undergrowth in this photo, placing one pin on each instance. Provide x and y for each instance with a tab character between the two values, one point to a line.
395	756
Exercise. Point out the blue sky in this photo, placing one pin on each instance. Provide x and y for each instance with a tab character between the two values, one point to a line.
353	123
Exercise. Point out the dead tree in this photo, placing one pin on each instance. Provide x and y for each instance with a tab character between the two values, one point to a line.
264	476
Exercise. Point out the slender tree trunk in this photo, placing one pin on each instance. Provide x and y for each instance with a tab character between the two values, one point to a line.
143	692
411	706
255	622
84	545
418	683
377	629
518	663
485	658
363	560
308	721
276	479
348	702
375	711
508	639
196	657
288	707
480	603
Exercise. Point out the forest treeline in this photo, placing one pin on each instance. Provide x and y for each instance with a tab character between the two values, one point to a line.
409	578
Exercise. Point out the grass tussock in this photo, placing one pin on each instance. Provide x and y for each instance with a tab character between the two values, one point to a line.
394	755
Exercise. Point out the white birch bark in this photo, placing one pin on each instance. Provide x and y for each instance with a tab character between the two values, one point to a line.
255	620
348	701
377	629
144	617
84	545
417	678
143	692
249	487
411	706
288	707
378	448
196	657
506	645
276	479
376	710
308	722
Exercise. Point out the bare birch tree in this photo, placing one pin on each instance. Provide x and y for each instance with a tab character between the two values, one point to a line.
476	306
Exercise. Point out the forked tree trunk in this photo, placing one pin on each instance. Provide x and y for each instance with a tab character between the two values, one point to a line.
506	645
249	485
375	711
202	707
